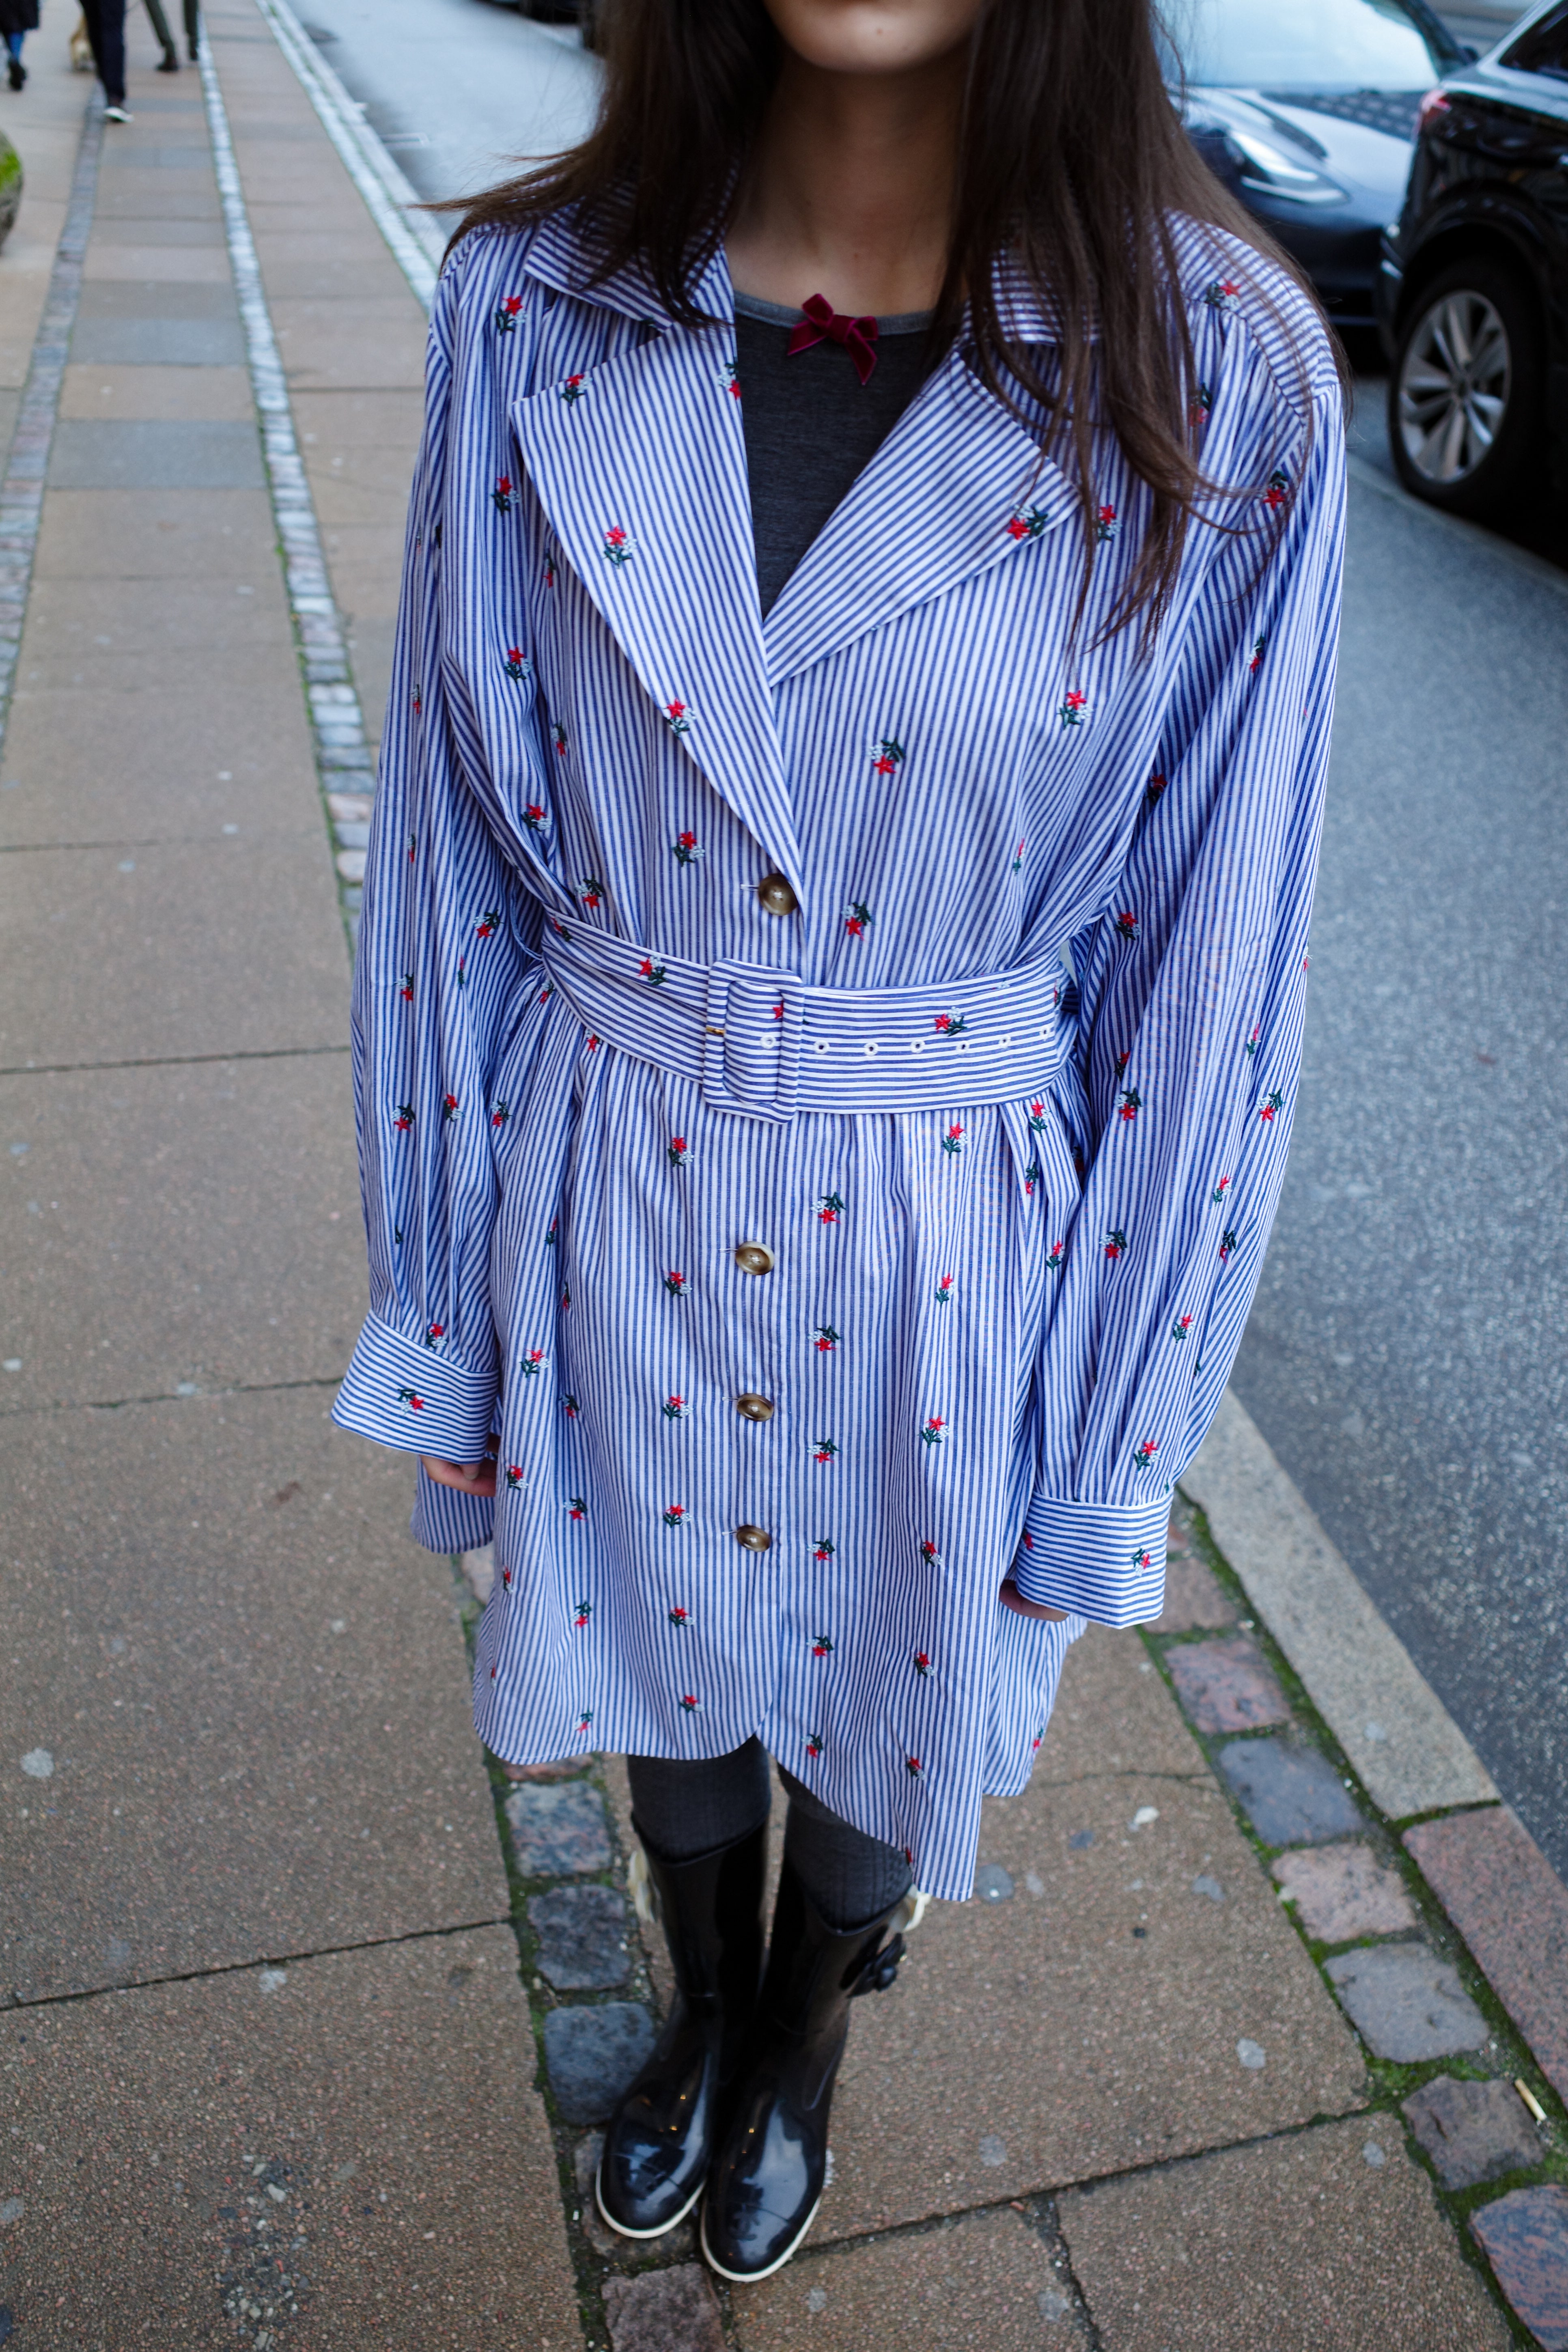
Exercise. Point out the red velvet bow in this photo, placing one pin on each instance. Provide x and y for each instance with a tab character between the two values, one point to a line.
819	318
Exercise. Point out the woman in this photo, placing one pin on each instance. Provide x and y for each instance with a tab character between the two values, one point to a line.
18	18
830	992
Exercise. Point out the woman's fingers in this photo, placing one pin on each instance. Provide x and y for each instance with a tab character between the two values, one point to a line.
1012	1599
469	1478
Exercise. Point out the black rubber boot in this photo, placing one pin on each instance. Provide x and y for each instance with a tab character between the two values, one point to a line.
767	2179
661	2139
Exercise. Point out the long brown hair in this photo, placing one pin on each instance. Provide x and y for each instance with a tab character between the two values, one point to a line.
1071	155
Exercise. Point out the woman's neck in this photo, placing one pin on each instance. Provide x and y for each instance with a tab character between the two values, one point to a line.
848	191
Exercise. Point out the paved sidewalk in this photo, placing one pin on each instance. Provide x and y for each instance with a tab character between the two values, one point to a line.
309	2019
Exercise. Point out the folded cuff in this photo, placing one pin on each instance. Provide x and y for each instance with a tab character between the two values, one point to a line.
1105	1561
445	1520
402	1393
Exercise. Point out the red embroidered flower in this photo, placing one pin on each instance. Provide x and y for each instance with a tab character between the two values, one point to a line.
1220	1190
677	1285
501	493
1228	1242
1127	923
679	1616
1027	522
1278	490
1018	860
825	1547
676	1152
1147	1450
1105	524
931	1434
514	1475
569	1405
689	1703
407	990
1054	1257
950	1024
921	1663
1251	1046
515	664
914	1767
506	317
529	1364
434	1332
488	924
822	1647
449	1107
1073	708
930	1554
943	1293
1153	789
405	1118
674	1408
573	388
533	816
1142	1559
953	1141
590	890
1115	1242
583	1720
813	1744
581	1614
685	850
415	1402
1275	1103
655	974
576	1508
824	1449
680	716
549	574
1199	405
1256	661
1181	1327
857	915
617	545
674	1515
499	1116
827	1340
1037	1118
418	702
1131	1103
506	1580
887	755
829	1209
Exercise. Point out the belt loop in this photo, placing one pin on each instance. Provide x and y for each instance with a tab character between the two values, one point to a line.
751	1042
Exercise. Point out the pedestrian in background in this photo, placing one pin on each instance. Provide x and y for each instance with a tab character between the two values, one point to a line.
829	997
18	18
105	21
159	24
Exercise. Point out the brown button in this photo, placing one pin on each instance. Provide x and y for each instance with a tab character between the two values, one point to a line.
753	1539
755	1257
776	894
755	1407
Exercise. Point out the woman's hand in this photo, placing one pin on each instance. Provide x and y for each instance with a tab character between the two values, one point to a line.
479	1479
1014	1600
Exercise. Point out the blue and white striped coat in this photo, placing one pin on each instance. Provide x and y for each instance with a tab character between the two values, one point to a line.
994	1336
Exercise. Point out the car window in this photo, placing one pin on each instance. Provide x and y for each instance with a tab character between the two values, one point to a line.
1313	44
1544	49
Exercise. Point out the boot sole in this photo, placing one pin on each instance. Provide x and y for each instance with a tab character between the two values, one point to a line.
664	2228
750	2278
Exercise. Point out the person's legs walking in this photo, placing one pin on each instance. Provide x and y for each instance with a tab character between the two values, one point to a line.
15	69
159	24
193	28
106	31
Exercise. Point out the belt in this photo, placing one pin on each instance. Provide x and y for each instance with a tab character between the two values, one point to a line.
759	1043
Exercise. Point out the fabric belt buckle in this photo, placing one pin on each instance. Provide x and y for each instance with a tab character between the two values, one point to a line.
751	1041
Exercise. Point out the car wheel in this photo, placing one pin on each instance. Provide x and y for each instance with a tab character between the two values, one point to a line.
1464	397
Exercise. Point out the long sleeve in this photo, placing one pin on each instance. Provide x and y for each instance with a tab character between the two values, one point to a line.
441	954
1191	987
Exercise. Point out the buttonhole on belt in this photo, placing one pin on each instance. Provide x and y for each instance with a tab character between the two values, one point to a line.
917	1046
821	1044
1007	1043
869	1046
1045	1029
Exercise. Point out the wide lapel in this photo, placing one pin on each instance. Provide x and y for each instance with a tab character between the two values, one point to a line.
640	465
958	485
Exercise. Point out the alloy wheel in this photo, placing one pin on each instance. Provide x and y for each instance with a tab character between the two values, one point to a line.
1453	388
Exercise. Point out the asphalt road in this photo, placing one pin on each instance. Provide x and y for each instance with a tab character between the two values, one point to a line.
1405	1359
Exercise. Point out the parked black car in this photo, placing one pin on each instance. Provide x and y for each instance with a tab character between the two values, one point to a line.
1473	290
1306	110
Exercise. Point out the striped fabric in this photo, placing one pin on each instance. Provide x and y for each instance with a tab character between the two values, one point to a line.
991	1332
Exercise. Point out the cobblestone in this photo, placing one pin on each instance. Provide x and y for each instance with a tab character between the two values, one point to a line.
582	1938
1526	2238
560	1832
1406	2004
593	2055
664	2311
1292	1796
1343	1891
1227	1685
1472	2131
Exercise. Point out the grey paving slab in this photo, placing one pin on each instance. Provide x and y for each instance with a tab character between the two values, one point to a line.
985	2282
1473	2131
1113	1714
593	2053
585	1943
146	200
252	1688
227	946
175	1226
163	392
375	346
156	535
154	264
156	454
160	304
1410	1754
559	1830
168	342
1308	2244
117	227
1089	2023
1407	2004
384	2094
1291	1794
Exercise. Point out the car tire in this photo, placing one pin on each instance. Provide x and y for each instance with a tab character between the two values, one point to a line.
1465	411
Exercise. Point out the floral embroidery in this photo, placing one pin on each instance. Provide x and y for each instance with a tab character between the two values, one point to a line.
1181	1327
813	1745
574	388
934	1430
1055	1257
407	990
529	1365
677	1285
1115	1242
914	1767
829	1209
822	1647
1106	525
405	1118
692	1704
674	1514
887	755
1018	858
1278	490
921	1663
950	1024
1073	708
449	1108
1127	929
676	1152
1153	789
731	379
857	915
655	974
1132	1104
1027	522
930	1554
499	1116
434	1334
515	666
581	1613
514	1476
824	1449
1256	661
953	1141
506	317
618	547
569	1405
501	494
1224	294
488	924
1275	1103
1147	1450
1031	1177
943	1293
1251	1046
590	890
1037	1118
678	1617
685	848
827	1340
550	1236
410	1397
679	716
674	1408
418	702
1228	1242
1199	405
825	1547
576	1508
1142	1559
533	816
506	1580
583	1720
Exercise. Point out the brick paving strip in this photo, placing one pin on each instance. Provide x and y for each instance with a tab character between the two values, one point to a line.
263	1975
